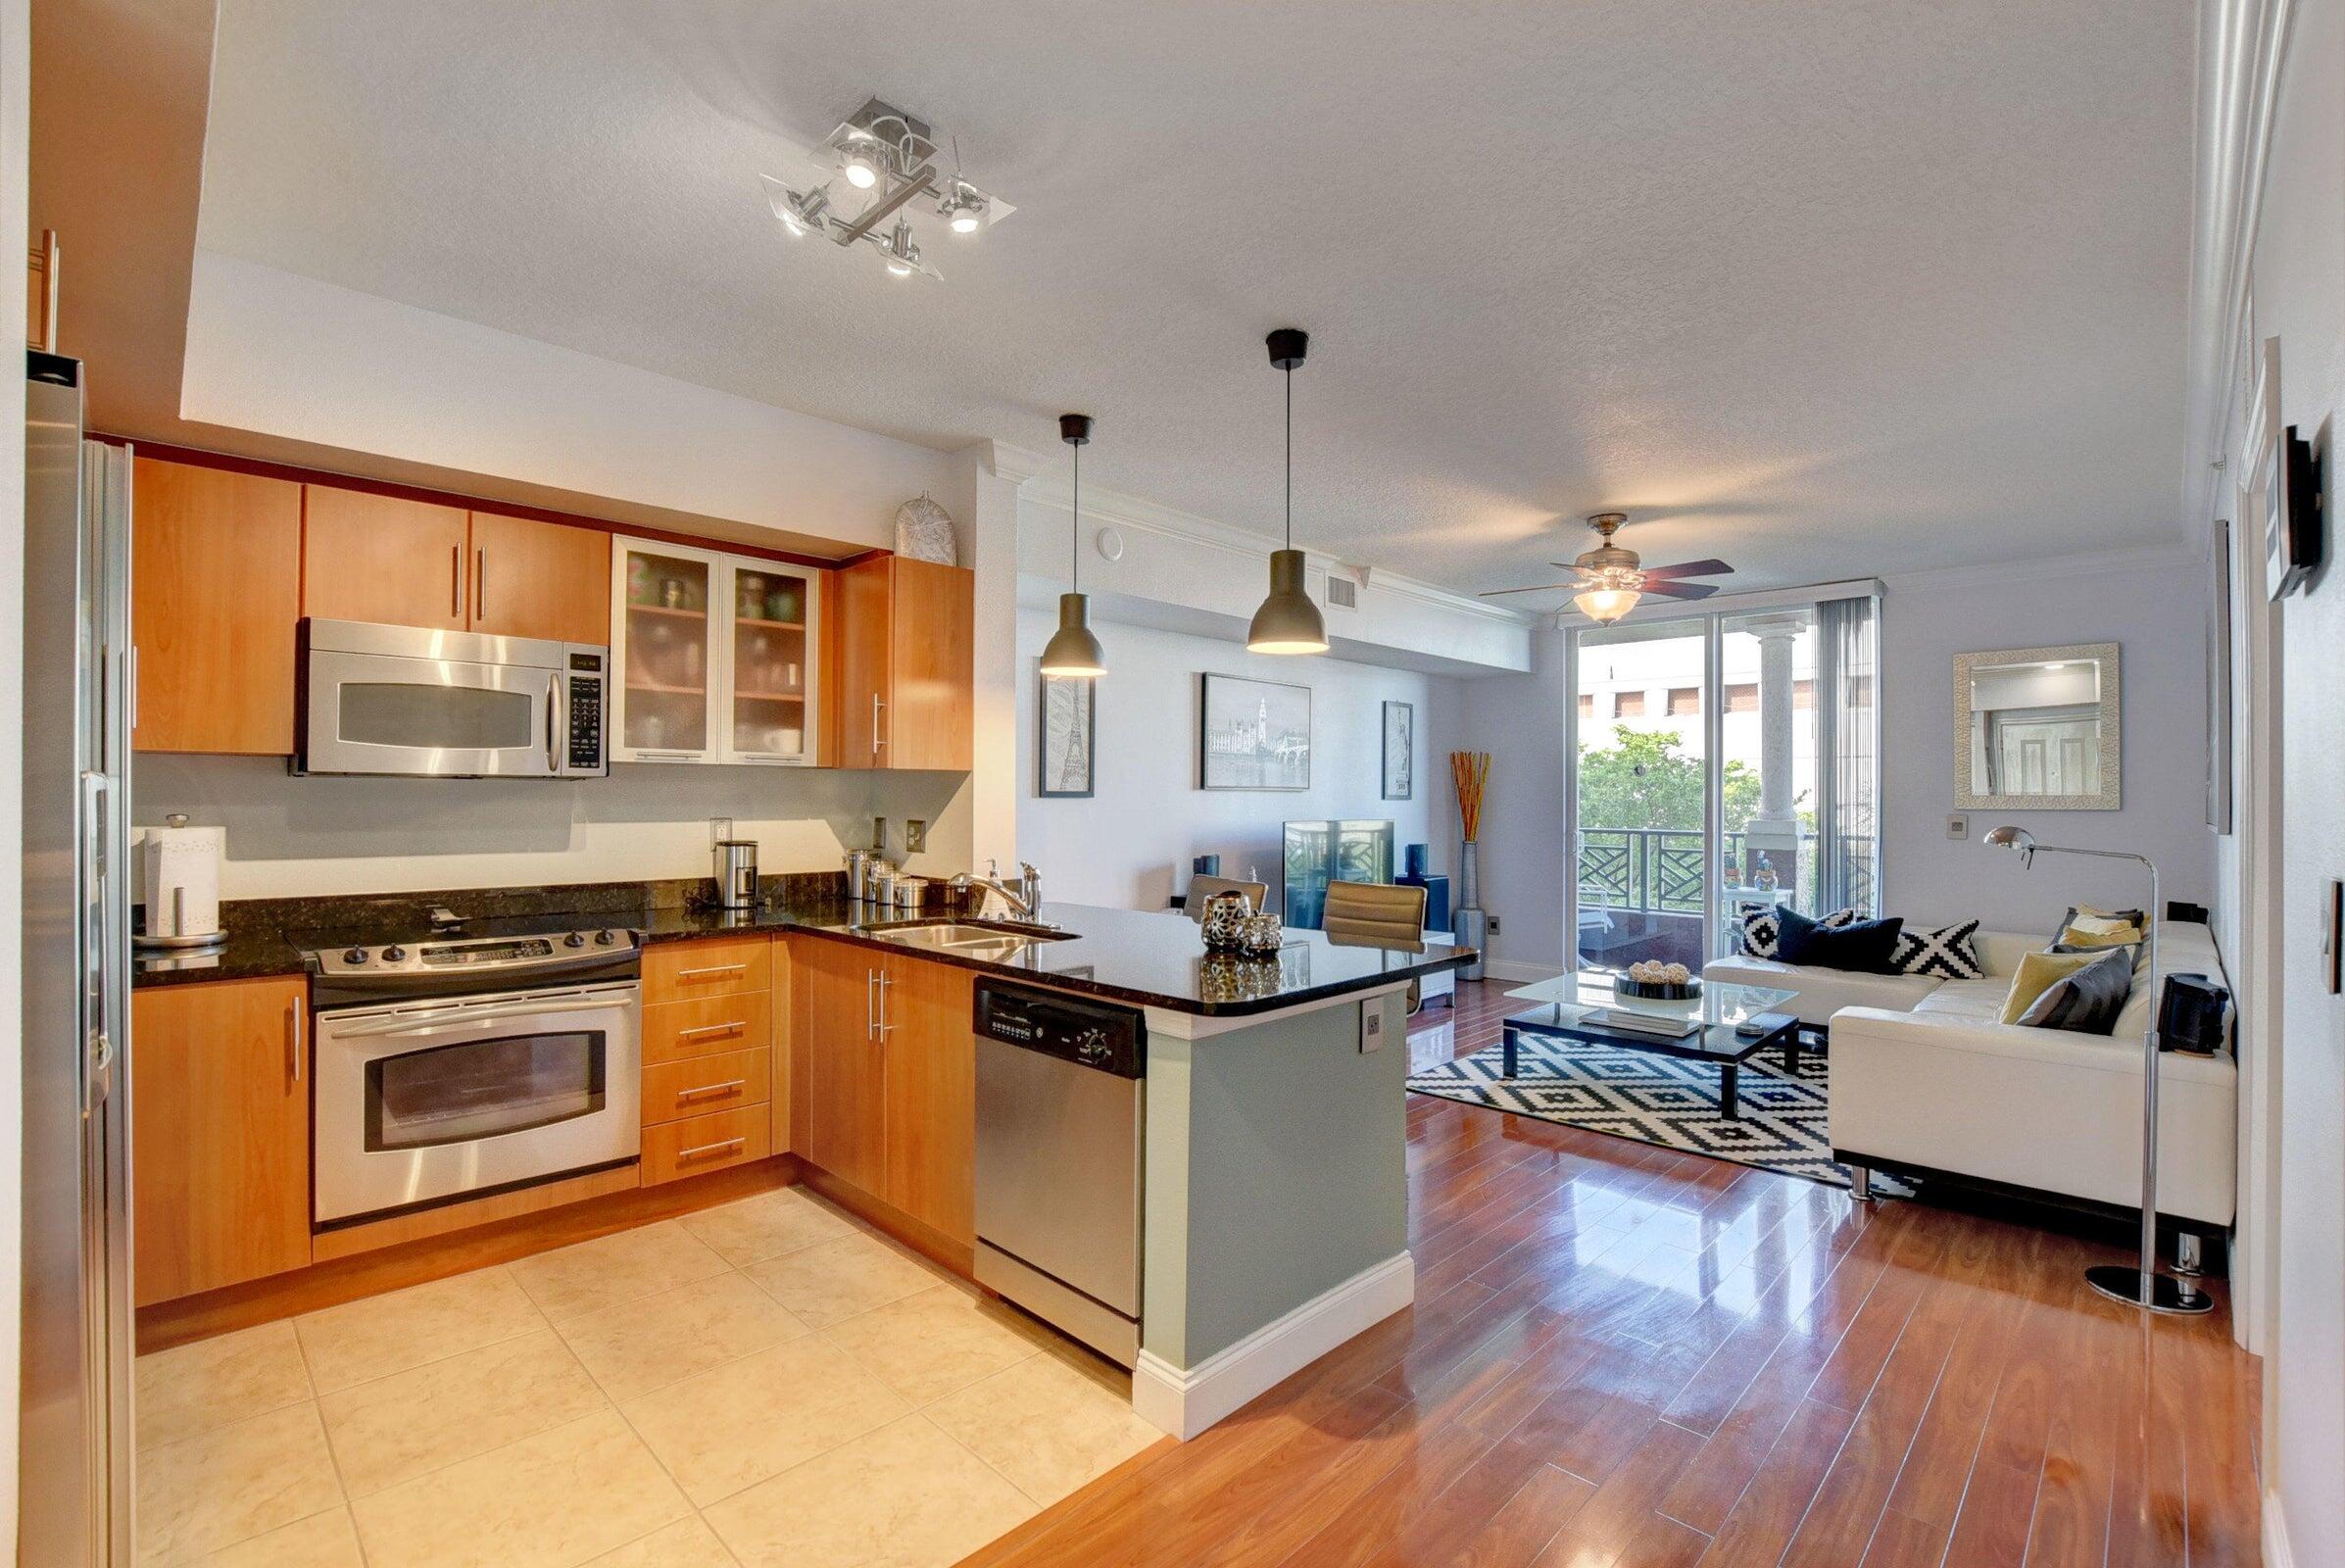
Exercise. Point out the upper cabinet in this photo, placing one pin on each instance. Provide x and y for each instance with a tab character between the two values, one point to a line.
907	665
365	557
216	575
716	655
369	557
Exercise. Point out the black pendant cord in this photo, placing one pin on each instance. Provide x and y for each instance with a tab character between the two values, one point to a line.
1074	542
1289	457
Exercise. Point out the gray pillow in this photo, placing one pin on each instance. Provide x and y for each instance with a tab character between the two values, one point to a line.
2088	1000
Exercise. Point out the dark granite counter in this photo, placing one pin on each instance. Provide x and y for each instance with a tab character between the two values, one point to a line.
1135	956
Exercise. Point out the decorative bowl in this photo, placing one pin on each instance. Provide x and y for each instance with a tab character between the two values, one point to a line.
1657	990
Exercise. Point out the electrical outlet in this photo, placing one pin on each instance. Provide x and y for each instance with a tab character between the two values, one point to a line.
1958	826
915	835
1493	925
721	828
1372	1023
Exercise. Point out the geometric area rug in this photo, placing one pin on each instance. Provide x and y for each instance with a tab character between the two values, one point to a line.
1666	1100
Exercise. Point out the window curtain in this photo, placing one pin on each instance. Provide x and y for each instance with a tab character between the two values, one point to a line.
1847	773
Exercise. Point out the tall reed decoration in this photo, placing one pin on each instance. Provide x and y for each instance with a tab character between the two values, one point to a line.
1470	771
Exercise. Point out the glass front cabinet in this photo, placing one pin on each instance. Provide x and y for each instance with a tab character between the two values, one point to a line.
716	655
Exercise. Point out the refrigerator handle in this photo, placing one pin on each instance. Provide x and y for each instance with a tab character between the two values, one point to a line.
97	1072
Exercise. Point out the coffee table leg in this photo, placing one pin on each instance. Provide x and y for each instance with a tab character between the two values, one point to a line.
1730	1076
1506	1050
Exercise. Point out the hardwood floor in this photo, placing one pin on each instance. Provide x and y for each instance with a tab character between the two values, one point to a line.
1625	1357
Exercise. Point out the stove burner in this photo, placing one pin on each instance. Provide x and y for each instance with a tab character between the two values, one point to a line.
440	964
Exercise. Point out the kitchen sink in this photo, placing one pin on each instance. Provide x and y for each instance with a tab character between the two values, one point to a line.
974	939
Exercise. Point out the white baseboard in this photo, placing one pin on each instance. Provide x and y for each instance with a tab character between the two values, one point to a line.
1185	1402
1520	973
2276	1551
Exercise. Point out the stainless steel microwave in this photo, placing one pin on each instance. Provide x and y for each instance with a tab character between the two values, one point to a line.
409	700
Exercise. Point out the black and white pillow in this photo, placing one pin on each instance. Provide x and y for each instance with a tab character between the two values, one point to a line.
1761	928
1950	952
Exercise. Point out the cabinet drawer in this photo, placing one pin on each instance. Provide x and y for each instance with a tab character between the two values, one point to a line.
675	1030
704	1144
703	1084
676	971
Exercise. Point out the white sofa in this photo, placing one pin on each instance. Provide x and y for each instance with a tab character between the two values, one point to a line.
1924	1081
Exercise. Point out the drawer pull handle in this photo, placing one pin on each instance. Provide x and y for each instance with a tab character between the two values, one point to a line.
714	969
733	1028
725	1148
707	1090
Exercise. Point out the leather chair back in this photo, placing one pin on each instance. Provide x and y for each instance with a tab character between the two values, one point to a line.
1380	912
1202	888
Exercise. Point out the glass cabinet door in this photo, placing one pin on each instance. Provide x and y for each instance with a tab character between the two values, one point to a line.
668	652
770	701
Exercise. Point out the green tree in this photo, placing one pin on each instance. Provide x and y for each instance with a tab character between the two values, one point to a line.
1640	780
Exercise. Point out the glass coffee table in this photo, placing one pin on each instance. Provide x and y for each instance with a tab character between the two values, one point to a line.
1735	1024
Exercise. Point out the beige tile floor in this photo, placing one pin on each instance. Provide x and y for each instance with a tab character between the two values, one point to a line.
764	1383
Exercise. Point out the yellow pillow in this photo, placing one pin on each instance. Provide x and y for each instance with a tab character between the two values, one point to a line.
2087	930
2036	975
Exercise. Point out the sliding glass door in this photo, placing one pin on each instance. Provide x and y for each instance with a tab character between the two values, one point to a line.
1720	761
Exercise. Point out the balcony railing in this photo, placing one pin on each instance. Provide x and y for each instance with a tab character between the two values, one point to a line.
1659	871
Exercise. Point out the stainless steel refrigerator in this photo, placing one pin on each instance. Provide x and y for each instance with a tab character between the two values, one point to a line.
74	1482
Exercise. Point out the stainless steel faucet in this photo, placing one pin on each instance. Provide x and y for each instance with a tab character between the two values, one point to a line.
1023	898
443	918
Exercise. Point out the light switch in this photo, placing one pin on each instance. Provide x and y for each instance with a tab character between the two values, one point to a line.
1958	827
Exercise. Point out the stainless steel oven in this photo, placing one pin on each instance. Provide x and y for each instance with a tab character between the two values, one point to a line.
409	700
421	1098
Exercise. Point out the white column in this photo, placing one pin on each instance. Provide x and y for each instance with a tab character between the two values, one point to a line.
987	481
1775	831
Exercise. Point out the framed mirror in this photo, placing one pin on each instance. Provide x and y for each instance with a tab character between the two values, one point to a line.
2037	728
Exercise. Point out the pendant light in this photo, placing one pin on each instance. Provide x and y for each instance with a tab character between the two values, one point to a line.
1072	649
1287	621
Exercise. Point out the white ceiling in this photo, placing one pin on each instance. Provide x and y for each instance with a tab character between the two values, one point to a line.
1824	289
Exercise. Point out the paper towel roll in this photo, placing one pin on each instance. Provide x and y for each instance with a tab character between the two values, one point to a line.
182	879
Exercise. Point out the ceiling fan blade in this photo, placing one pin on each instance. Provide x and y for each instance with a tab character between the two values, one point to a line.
1542	588
1691	568
1679	590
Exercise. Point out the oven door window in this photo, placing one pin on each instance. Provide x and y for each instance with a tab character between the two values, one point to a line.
417	716
463	1092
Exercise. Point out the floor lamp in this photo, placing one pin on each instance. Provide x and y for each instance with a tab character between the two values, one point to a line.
2144	1286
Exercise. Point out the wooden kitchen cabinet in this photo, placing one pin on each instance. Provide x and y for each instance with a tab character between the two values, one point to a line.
368	557
215	591
930	1060
907	662
887	1061
840	1060
220	1134
540	579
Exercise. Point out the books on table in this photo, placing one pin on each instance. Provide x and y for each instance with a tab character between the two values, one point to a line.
1658	1025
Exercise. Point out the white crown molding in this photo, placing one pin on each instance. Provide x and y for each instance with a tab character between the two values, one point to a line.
2241	45
2094	563
1148	517
1003	460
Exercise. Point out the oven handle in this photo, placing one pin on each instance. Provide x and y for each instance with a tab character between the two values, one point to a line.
470	1013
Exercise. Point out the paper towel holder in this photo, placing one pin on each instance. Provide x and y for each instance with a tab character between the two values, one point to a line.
196	942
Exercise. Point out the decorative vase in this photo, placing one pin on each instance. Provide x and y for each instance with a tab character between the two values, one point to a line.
1224	923
1473	924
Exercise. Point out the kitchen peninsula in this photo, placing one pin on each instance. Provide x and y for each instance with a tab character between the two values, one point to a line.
845	1046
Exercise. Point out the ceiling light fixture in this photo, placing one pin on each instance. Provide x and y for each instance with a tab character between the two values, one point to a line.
887	153
1606	604
1287	621
1072	650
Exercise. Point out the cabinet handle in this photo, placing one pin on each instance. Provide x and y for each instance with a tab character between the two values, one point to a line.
686	1096
713	968
885	980
293	1035
455	582
877	741
870	1003
727	1147
480	584
733	1028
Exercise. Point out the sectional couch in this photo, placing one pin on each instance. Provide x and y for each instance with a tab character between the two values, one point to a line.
1926	1083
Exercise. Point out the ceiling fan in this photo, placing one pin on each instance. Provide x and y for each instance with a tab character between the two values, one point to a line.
1609	580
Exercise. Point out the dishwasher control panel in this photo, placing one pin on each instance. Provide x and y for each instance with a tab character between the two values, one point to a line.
1090	1034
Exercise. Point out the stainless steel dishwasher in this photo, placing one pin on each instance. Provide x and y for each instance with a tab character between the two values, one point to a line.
1059	1096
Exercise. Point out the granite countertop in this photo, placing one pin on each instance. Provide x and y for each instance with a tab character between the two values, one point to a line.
1136	957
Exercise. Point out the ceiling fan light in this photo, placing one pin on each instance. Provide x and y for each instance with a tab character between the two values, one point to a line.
1287	621
1072	650
1604	606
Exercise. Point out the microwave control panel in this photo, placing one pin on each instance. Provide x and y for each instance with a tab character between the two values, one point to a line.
586	713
